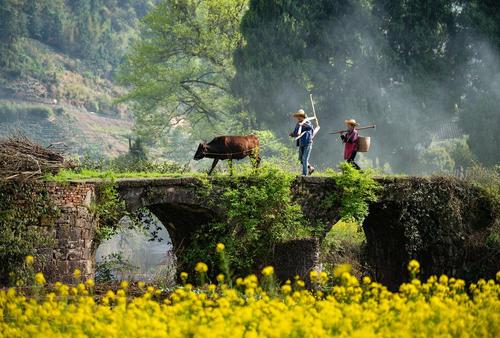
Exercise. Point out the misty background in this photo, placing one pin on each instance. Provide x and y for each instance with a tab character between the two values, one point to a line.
96	74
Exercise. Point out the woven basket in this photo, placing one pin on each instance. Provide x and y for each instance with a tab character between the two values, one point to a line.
363	144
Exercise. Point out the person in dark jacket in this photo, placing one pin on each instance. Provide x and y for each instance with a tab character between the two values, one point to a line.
350	139
303	134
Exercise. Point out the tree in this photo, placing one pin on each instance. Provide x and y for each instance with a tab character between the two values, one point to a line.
480	112
12	27
296	47
421	75
383	61
181	68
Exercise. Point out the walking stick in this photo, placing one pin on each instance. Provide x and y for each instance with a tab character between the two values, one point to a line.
315	117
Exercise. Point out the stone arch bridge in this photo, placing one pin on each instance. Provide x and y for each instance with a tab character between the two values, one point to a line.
443	222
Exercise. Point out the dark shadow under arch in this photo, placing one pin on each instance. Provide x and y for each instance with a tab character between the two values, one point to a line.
181	221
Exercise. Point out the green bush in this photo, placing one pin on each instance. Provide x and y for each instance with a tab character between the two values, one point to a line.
357	189
488	180
132	162
260	213
15	112
109	209
445	157
344	244
344	234
26	215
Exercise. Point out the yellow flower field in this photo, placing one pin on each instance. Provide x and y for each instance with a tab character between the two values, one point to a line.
336	304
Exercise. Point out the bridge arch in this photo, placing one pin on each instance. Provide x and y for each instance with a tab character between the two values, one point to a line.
179	204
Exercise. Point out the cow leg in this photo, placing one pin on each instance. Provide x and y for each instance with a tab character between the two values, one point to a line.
257	161
230	165
213	166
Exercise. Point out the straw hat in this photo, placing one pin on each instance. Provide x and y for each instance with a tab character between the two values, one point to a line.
351	122
300	113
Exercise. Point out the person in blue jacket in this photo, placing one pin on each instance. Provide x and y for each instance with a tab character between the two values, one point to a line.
304	133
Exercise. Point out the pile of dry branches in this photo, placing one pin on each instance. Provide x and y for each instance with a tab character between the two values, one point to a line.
21	158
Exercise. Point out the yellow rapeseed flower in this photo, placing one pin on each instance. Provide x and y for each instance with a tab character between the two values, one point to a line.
201	267
286	289
268	271
314	276
90	283
29	259
220	247
414	266
184	276
339	270
110	294
40	278
77	273
440	306
220	278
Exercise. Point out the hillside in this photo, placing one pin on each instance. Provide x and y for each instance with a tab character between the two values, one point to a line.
57	99
58	65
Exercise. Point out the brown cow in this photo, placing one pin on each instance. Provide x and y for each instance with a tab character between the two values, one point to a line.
229	148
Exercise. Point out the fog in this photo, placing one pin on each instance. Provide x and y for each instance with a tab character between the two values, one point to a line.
132	254
413	81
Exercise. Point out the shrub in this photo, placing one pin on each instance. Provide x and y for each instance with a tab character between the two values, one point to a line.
26	215
15	112
488	180
259	215
357	189
344	244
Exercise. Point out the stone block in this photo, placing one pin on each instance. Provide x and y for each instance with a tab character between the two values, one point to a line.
89	197
75	233
74	254
63	231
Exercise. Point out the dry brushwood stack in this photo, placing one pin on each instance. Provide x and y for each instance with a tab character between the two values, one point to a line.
21	158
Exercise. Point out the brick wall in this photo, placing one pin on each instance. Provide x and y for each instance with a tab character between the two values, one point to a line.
73	232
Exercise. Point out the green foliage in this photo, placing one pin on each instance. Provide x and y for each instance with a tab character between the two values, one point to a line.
436	159
89	174
344	244
479	111
182	67
109	209
273	150
94	30
344	234
383	61
445	157
260	213
488	180
14	112
27	214
132	164
357	189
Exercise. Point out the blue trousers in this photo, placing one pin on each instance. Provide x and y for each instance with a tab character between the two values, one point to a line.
304	154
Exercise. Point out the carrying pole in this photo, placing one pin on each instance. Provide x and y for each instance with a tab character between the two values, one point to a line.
360	128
